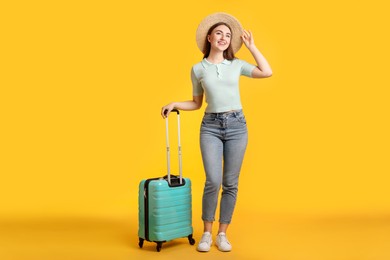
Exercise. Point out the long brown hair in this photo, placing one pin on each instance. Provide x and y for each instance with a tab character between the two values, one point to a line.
228	53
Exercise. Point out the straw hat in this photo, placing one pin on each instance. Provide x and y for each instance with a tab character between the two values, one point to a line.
207	22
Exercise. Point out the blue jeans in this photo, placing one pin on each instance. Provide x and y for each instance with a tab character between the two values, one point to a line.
223	140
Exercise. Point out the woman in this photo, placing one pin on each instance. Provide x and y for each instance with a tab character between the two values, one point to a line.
223	134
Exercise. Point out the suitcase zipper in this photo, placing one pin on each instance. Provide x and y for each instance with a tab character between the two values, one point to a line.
146	206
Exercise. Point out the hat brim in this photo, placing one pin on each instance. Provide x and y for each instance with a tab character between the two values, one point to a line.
207	22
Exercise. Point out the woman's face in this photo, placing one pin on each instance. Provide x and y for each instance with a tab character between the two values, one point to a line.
220	38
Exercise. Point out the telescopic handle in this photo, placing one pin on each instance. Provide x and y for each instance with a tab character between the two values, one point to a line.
168	149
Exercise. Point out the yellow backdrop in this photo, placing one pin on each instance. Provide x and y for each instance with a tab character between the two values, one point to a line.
83	82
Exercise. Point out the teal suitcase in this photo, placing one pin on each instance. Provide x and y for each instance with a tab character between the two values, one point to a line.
165	205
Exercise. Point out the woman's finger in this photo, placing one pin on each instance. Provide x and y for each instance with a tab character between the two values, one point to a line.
164	112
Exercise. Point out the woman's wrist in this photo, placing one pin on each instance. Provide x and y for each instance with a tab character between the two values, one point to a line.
252	48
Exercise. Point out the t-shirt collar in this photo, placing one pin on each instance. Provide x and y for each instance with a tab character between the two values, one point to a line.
206	63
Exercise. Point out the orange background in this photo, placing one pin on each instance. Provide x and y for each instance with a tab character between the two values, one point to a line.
83	82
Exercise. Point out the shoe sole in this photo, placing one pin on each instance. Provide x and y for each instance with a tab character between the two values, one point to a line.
222	249
204	250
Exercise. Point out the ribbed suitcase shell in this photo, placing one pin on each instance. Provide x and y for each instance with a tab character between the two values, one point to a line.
165	204
169	211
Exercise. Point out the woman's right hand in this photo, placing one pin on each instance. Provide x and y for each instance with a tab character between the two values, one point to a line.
165	110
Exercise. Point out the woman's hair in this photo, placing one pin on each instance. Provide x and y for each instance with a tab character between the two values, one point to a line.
228	53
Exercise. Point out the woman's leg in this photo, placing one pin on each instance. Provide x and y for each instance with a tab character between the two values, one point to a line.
212	150
207	226
234	150
223	227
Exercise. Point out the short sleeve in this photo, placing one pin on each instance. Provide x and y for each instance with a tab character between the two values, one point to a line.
247	68
197	89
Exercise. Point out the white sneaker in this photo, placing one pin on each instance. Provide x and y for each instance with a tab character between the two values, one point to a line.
223	243
205	243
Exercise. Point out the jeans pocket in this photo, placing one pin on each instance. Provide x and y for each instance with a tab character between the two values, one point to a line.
241	118
208	120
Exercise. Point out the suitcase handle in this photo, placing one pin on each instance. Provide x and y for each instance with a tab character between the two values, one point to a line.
168	150
173	110
175	181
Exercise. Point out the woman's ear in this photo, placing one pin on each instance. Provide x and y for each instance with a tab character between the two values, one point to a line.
208	38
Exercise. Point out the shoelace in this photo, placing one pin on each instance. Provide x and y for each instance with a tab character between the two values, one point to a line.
205	238
223	239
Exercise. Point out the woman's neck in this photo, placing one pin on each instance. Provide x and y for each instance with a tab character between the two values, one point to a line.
215	57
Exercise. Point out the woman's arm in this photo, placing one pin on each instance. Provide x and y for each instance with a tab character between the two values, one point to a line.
263	69
193	104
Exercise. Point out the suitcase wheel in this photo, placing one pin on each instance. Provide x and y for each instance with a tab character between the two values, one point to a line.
191	240
159	245
141	242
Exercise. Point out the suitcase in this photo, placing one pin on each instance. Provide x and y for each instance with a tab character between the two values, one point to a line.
165	204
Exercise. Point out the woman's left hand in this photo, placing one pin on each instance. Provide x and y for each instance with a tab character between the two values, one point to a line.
247	38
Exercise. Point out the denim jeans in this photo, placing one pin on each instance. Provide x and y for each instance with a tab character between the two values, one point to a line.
223	141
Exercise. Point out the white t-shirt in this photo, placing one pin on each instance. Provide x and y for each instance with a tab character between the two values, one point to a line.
220	83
